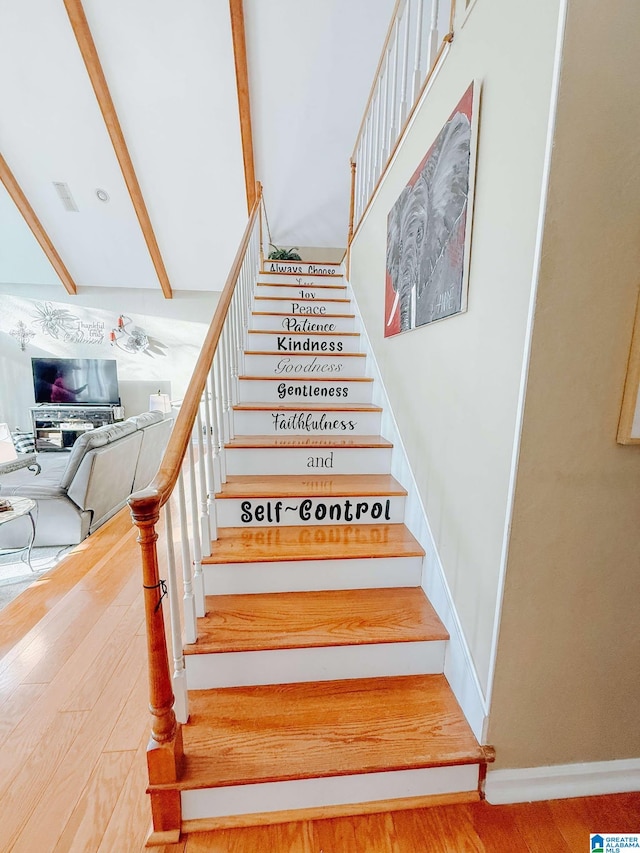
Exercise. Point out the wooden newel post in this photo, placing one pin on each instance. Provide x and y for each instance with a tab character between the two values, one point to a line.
261	238
164	751
351	215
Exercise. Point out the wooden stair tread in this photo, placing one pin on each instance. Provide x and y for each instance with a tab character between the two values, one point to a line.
298	353
291	379
309	334
303	299
319	318
312	542
290	620
296	286
283	272
242	735
306	441
311	407
303	485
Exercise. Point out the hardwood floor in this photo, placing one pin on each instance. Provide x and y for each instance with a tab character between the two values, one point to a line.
74	727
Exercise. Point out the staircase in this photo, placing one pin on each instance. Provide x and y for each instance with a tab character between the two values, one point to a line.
316	683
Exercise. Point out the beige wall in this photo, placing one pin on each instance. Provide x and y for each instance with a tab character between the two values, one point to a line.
567	685
454	385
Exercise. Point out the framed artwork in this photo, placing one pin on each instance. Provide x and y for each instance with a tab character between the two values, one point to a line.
429	227
629	425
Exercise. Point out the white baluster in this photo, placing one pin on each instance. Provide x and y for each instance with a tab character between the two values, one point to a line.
224	387
188	600
384	123
377	133
208	444
364	166
361	172
198	578
237	342
415	89
227	378
432	50
213	426
370	161
179	679
205	524
393	128
217	363
404	86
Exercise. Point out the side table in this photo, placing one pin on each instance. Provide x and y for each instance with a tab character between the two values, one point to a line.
19	508
22	460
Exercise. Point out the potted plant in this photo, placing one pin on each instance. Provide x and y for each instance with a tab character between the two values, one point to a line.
284	254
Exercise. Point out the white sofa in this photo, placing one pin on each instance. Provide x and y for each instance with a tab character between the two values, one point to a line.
78	491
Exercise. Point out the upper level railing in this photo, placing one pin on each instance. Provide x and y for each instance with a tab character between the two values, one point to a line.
195	454
416	38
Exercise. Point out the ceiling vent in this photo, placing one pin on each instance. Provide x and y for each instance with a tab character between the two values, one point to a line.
68	201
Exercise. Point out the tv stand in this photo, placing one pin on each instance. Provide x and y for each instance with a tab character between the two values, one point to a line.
56	428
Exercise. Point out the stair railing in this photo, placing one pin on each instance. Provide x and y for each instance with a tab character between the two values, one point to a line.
191	472
418	35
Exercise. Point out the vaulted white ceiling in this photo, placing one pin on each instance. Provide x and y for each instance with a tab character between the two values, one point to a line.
170	71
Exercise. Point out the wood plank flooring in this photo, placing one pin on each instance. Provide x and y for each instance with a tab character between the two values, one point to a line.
74	727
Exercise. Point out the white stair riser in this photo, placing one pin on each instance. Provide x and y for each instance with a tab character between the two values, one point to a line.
287	342
274	512
297	323
312	308
328	271
307	460
298	391
301	290
332	663
304	279
311	575
305	422
295	365
327	791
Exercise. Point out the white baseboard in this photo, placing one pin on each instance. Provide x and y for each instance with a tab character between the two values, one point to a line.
459	668
562	780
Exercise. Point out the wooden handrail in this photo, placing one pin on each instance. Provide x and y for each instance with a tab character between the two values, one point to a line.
164	752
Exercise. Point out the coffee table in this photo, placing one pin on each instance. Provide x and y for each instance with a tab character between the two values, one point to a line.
22	460
19	508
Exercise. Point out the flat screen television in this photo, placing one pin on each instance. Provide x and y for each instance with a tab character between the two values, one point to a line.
79	381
